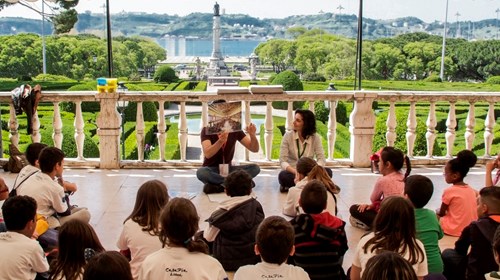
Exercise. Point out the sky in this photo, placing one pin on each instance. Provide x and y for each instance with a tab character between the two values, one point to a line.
427	10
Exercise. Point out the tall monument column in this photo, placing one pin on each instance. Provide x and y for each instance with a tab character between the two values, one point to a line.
217	66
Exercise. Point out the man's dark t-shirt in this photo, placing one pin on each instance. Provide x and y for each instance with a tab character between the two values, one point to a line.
227	151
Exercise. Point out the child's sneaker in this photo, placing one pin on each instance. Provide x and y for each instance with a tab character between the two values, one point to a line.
357	223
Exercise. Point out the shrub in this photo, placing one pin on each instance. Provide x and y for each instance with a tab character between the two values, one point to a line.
493	80
420	147
314	77
271	78
433	78
51	77
201	86
289	80
134	77
148	111
165	74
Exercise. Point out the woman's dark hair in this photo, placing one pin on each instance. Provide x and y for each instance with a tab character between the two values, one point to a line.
151	197
394	230
108	265
397	158
388	265
74	237
309	120
462	163
305	165
179	223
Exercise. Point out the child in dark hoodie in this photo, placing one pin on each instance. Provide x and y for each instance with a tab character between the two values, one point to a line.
478	235
233	224
320	239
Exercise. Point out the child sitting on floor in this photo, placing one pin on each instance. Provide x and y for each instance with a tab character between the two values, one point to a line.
274	243
496	252
458	207
320	239
233	224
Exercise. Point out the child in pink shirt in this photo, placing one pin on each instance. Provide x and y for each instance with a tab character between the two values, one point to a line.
458	207
391	184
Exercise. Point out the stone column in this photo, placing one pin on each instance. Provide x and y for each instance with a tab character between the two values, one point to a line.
108	123
362	129
216	38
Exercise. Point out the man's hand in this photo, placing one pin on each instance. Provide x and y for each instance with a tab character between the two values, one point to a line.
223	138
251	129
491	165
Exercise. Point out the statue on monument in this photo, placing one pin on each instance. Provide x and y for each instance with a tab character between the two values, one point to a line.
216	9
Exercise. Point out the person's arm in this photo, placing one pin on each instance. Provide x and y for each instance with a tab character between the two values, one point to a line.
442	210
285	152
250	140
209	149
490	166
122	240
290	206
4	190
355	272
464	241
39	261
211	233
377	192
319	152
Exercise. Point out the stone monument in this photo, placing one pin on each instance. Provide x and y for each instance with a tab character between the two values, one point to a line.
217	66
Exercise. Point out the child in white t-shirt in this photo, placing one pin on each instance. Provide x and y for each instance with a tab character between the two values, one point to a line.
274	243
181	257
21	257
139	236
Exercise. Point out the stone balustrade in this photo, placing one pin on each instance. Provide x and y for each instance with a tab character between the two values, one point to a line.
361	122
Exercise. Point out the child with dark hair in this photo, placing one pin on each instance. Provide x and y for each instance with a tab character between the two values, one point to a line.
458	201
141	228
53	204
274	243
21	257
74	238
478	236
107	265
181	257
388	265
390	184
496	253
419	189
306	167
233	224
320	239
393	230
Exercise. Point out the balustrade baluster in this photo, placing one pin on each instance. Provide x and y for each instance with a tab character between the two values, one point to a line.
79	125
268	136
13	127
204	122
139	132
391	123
289	116
183	130
451	124
35	134
470	123
332	129
248	120
57	135
430	135
411	125
489	123
161	129
312	106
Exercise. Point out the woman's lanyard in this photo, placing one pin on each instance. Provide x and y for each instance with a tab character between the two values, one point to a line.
298	148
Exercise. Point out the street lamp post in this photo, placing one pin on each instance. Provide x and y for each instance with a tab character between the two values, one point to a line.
110	46
443	49
359	47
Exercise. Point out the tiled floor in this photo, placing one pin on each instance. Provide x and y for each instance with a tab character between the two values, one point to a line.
110	194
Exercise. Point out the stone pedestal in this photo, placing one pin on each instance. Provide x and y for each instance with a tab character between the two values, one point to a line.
108	122
362	129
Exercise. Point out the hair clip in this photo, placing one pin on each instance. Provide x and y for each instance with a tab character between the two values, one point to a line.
89	253
186	242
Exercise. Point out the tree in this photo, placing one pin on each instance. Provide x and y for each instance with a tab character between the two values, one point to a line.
63	21
383	61
277	52
165	74
289	81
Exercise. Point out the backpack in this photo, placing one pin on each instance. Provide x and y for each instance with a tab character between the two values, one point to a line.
17	160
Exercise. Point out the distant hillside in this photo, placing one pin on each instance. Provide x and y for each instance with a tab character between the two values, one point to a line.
244	26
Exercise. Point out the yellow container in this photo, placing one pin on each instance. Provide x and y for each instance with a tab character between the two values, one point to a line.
112	85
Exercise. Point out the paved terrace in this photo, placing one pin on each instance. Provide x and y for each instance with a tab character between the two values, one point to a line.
110	194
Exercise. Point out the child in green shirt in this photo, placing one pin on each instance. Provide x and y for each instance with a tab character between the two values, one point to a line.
419	189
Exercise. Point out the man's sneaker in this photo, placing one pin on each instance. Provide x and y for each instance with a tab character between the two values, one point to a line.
212	188
283	189
357	223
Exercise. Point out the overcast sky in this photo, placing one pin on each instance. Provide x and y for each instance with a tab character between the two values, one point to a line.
427	10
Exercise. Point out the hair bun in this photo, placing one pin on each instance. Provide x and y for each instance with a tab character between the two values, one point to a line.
467	157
